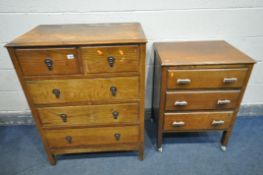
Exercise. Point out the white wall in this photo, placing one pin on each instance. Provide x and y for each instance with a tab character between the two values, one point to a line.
239	22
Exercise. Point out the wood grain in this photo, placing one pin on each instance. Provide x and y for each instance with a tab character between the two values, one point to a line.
89	115
77	90
200	53
198	100
95	59
95	148
206	78
197	120
142	99
92	136
80	34
32	61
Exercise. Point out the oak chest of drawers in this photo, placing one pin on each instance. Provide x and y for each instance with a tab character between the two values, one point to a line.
85	85
198	86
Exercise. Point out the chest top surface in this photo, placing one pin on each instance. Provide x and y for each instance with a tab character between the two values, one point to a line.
200	53
81	34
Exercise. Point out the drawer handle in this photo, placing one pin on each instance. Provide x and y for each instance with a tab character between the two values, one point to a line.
117	136
115	114
229	80
49	63
218	122
183	81
178	124
56	92
180	103
68	139
113	90
223	102
64	117
111	61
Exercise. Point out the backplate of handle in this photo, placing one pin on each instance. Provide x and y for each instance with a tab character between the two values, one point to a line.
64	117
111	61
180	103
115	114
229	80
178	124
223	102
113	90
56	92
218	122
68	139
49	63
117	136
183	81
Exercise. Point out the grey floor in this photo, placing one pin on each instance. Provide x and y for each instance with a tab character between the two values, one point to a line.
185	153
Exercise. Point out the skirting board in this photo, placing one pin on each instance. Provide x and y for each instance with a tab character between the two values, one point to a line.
25	118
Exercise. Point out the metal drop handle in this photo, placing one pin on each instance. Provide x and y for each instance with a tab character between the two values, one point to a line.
113	90
68	139
64	117
178	124
111	61
49	63
218	122
115	114
180	103
229	80
56	92
183	81
117	136
223	102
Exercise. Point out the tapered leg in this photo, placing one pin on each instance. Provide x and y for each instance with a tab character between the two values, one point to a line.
52	160
159	141
224	140
141	154
159	134
141	151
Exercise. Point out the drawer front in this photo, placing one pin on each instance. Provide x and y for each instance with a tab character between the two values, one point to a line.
206	78
77	90
48	61
89	114
195	100
92	136
197	121
111	59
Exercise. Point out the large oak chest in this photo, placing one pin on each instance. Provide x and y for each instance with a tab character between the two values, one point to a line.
85	85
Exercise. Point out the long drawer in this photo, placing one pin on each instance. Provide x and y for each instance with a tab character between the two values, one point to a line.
89	114
106	59
206	78
48	61
77	90
198	100
197	120
92	136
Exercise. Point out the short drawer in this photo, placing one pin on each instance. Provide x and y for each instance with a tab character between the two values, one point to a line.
106	59
48	61
197	121
78	90
92	136
89	114
196	100
206	78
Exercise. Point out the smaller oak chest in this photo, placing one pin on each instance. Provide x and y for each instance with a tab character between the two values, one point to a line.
198	86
